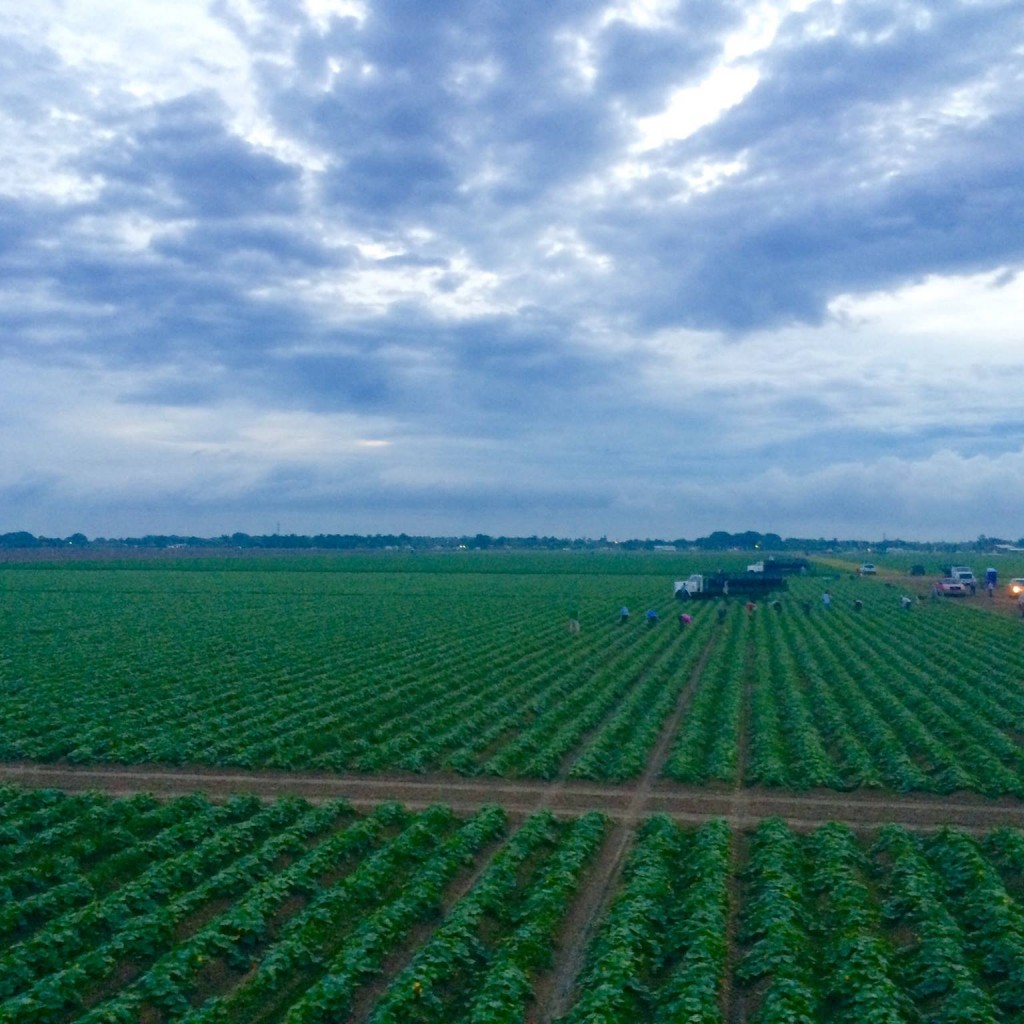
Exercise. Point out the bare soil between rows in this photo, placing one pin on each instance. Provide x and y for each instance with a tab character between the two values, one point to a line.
741	807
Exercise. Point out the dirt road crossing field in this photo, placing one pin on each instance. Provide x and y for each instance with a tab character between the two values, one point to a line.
625	802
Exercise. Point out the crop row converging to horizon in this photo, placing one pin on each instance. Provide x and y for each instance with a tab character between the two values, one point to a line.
456	667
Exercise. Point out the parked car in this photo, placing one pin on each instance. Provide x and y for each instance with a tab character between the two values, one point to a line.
1017	586
867	569
951	587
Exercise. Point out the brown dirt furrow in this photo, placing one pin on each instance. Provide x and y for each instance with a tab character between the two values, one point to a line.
368	995
555	991
625	802
659	755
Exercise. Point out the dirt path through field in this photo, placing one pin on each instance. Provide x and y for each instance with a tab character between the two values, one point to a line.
740	807
556	990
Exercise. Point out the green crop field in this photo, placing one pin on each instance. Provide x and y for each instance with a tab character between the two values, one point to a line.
460	669
136	910
464	664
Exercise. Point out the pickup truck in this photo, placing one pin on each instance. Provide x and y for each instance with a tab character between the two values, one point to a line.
951	587
963	573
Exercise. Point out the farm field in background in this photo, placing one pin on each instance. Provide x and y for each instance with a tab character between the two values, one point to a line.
190	911
463	663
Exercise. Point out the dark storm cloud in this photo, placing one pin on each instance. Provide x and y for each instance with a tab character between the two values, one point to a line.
497	374
423	99
843	188
179	158
249	248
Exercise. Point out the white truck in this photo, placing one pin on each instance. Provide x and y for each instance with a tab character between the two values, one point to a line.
963	573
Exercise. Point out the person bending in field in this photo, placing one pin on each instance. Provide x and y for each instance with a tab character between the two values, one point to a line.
623	615
685	620
652	617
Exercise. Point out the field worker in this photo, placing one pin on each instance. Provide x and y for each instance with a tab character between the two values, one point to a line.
652	617
905	601
857	605
751	607
826	599
1020	605
574	623
623	615
722	612
685	620
777	605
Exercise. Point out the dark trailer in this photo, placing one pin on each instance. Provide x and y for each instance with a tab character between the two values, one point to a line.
729	585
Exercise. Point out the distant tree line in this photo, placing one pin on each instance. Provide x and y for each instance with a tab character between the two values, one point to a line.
720	540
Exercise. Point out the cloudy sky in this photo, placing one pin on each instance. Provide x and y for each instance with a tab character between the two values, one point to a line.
637	269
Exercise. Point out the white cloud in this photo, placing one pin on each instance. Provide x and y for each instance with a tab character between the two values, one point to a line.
792	290
693	107
955	318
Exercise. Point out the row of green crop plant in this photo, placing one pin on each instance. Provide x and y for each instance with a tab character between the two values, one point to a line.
926	699
368	681
707	744
597	704
890	710
161	704
621	747
219	913
902	928
799	695
661	951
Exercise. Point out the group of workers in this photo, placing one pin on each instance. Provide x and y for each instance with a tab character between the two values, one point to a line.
651	616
